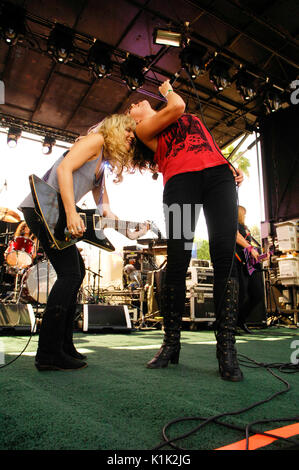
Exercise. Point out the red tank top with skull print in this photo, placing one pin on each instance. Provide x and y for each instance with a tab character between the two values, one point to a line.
186	145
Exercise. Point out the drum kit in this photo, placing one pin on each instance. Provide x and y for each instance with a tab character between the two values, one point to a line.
25	275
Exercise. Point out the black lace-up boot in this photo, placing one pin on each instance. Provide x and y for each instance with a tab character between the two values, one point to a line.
170	349
226	322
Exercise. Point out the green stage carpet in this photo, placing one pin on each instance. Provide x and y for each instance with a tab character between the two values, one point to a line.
116	403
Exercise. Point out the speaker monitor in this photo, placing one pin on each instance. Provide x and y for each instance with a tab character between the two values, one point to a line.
17	319
106	318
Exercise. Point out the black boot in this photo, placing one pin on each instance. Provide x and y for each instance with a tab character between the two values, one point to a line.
226	322
68	345
50	354
170	349
244	311
242	325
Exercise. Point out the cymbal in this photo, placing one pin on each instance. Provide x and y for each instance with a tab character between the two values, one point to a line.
8	215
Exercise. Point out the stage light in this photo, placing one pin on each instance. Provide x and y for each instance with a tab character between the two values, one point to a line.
99	59
48	145
167	37
192	59
272	100
245	85
132	72
219	73
12	23
61	43
13	135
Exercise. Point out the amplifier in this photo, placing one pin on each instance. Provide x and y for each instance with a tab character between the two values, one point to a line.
202	303
17	319
106	318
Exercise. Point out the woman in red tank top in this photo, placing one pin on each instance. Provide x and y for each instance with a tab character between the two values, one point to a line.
195	175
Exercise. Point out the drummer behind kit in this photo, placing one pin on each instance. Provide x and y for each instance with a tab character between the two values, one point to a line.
20	279
9	219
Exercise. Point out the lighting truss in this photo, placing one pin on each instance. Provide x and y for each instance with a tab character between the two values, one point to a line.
192	59
99	59
61	43
132	72
12	23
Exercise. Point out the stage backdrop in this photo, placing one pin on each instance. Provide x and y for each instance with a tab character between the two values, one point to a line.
280	154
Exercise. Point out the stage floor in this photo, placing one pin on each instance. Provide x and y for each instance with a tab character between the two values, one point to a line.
117	403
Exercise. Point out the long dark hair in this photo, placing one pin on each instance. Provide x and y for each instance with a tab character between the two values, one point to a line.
143	158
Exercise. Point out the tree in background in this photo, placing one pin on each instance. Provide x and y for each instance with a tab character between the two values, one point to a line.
242	162
256	233
203	250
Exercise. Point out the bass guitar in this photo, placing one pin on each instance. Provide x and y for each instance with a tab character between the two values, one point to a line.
252	264
49	205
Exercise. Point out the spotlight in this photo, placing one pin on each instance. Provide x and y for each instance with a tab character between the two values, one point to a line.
192	59
13	135
12	23
48	144
99	59
167	37
132	72
245	85
219	73
272	100
61	43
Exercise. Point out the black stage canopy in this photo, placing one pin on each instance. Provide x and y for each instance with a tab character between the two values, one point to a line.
256	39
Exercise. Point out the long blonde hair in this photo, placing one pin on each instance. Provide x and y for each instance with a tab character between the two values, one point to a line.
241	215
115	150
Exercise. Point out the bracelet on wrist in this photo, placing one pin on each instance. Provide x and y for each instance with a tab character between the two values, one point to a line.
168	91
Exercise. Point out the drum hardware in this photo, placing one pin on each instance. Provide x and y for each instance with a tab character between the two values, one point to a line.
17	286
37	282
93	293
3	245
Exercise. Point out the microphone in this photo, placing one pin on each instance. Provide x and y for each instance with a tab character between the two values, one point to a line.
174	78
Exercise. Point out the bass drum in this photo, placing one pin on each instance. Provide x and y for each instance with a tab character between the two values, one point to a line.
38	282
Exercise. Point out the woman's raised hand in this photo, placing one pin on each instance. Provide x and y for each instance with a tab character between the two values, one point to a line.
165	88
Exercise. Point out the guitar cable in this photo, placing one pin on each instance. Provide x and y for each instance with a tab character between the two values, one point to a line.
24	349
249	428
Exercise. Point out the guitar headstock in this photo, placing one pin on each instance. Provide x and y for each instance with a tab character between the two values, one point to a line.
154	228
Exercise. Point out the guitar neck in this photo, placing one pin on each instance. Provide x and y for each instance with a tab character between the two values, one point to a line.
118	225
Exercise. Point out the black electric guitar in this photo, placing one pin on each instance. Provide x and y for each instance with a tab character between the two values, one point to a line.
49	206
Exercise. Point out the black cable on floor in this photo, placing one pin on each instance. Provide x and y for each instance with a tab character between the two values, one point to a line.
20	354
249	427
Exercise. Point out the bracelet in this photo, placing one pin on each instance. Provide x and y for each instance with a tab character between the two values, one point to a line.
168	91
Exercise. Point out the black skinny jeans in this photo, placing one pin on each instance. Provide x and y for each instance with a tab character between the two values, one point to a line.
213	188
68	264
